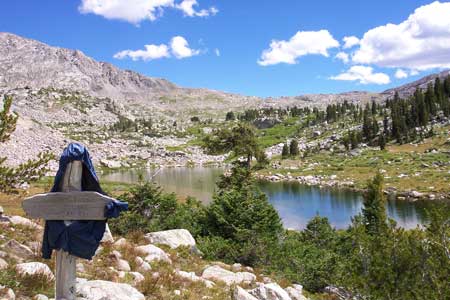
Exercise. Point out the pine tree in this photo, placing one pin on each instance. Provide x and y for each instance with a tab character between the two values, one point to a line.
447	86
293	148
430	100
438	90
230	116
374	211
382	142
285	151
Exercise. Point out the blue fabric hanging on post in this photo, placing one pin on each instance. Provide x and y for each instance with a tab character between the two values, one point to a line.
80	238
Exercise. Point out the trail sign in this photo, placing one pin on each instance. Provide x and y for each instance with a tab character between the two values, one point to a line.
67	206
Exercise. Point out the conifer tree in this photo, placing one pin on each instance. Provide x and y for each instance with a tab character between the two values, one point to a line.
293	148
374	211
285	151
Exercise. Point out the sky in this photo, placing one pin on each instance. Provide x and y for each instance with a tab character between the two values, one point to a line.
252	47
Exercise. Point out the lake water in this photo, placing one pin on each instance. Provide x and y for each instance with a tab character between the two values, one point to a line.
295	203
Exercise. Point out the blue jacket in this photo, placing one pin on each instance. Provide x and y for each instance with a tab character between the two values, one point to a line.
80	238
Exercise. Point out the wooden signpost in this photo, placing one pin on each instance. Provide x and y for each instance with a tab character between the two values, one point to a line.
69	205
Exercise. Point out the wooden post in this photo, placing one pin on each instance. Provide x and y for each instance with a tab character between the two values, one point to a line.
70	204
66	271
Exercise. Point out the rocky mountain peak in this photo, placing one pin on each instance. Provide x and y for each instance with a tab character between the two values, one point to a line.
27	62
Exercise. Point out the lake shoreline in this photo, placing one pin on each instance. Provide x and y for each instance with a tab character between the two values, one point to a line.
331	182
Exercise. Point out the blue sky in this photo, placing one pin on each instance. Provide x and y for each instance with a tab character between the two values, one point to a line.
188	35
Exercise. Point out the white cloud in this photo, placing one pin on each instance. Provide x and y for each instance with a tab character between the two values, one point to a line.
400	74
350	41
217	52
342	56
422	42
151	52
187	7
413	73
302	43
363	75
136	11
180	48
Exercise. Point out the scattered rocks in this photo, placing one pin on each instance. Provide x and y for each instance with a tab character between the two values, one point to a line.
107	236
120	243
35	269
17	250
154	253
172	238
295	292
270	291
142	266
191	276
137	277
18	220
3	264
217	273
101	290
6	293
121	264
40	297
241	294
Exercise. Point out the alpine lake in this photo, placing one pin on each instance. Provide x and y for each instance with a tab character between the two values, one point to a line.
295	203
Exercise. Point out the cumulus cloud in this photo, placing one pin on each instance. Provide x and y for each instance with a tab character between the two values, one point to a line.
363	75
187	7
400	74
422	42
217	52
136	11
350	41
342	56
302	43
179	48
150	52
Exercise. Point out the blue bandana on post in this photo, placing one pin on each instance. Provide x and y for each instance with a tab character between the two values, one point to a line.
80	238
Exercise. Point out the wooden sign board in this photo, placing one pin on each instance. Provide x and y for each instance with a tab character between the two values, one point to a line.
67	206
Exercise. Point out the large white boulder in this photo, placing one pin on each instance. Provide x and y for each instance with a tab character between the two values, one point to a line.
270	291
106	290
217	273
172	238
153	253
241	294
35	269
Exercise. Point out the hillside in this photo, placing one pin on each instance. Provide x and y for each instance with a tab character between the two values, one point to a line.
63	95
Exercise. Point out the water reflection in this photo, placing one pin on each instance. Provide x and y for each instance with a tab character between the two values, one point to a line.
295	203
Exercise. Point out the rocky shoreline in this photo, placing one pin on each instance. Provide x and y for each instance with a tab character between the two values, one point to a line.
332	182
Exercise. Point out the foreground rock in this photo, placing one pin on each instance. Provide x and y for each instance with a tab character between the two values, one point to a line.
217	273
172	238
106	290
154	253
241	294
270	291
17	250
6	293
35	269
18	220
191	276
296	292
